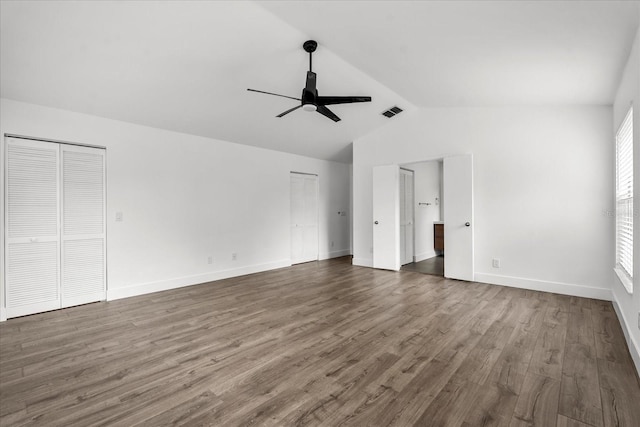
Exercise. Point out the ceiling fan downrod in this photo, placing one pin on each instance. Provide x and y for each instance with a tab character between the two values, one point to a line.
310	46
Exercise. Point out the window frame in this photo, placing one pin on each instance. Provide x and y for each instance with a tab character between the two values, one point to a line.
624	198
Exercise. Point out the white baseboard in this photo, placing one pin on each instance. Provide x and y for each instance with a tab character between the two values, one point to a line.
362	262
634	348
179	282
334	254
425	255
542	285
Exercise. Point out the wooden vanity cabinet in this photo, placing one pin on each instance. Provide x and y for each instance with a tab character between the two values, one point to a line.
438	237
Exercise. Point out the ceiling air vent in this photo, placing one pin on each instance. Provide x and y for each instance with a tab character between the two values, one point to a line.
392	112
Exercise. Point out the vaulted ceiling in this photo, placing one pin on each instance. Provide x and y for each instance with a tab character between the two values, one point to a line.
185	66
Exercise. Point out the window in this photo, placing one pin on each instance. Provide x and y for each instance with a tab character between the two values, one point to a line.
624	201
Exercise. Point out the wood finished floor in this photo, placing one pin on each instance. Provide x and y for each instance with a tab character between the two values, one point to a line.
433	266
322	343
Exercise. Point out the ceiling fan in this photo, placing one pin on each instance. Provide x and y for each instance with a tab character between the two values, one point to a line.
310	100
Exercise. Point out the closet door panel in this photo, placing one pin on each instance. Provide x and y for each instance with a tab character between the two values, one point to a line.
83	271
32	278
32	227
83	225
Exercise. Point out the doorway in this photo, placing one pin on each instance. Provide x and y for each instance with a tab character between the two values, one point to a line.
457	216
304	217
427	215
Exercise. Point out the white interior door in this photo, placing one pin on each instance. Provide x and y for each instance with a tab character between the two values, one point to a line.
406	217
83	225
386	217
458	217
32	224
304	218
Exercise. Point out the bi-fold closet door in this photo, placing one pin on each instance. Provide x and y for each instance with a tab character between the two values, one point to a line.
55	231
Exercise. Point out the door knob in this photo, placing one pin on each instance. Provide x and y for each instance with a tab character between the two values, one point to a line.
467	224
375	222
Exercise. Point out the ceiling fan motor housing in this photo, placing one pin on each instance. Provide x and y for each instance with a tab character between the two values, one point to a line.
310	93
310	46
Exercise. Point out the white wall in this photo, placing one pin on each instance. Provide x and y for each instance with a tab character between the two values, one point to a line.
426	178
628	305
184	198
543	180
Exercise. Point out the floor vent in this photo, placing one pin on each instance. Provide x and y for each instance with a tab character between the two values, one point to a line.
392	112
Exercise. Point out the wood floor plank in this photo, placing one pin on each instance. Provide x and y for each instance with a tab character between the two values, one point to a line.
609	338
322	343
569	422
538	402
493	406
580	384
417	395
548	353
450	406
620	394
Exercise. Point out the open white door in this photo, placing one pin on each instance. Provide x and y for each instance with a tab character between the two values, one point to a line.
386	217
458	217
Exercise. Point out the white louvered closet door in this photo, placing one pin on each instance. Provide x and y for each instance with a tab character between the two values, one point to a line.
32	227
83	225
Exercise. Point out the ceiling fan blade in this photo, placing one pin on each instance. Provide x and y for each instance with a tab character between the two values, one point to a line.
276	94
289	110
331	100
327	113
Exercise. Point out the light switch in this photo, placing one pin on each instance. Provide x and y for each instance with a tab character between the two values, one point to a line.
119	216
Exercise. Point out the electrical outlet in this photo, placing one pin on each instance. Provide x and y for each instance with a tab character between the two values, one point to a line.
496	263
210	260
234	256
119	216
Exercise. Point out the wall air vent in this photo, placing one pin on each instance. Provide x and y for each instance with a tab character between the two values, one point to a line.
392	112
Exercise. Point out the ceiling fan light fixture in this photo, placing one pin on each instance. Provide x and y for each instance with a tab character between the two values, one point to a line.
309	107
